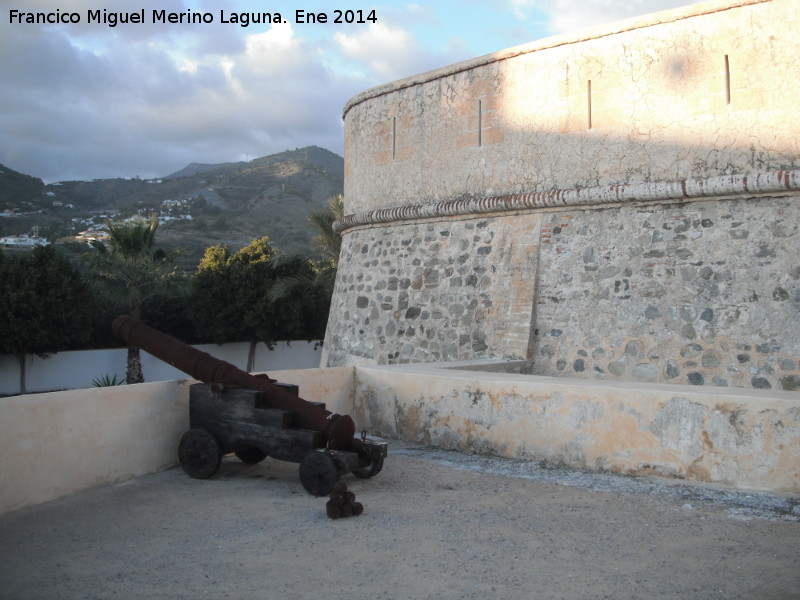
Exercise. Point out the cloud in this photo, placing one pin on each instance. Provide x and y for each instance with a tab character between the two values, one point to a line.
379	47
149	106
387	53
87	102
86	29
83	101
570	15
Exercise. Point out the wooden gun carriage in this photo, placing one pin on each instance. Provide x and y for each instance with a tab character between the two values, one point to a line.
254	416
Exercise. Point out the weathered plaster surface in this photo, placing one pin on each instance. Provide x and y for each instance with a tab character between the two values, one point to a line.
334	387
696	92
748	439
59	443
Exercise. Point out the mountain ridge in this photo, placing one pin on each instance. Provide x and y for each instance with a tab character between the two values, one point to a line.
196	168
231	203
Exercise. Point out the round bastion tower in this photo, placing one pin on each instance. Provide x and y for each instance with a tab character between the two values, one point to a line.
622	203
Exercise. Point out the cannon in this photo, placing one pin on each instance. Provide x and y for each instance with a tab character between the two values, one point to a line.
254	416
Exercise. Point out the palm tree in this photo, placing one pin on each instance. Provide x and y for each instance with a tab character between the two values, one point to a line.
328	242
129	269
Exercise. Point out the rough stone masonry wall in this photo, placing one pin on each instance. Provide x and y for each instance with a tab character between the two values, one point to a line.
622	204
705	293
701	293
434	291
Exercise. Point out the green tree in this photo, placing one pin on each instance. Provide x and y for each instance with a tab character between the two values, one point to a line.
129	269
170	314
301	297
230	292
44	306
256	295
328	244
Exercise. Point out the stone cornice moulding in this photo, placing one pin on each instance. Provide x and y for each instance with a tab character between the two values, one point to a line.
759	183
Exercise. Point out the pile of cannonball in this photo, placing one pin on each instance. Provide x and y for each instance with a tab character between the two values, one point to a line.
343	503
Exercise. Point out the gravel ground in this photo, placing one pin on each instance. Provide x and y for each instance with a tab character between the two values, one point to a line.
738	504
436	525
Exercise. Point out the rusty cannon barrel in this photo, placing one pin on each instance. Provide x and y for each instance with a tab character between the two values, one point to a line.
338	430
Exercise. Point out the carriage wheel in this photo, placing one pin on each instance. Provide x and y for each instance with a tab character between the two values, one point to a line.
372	469
199	453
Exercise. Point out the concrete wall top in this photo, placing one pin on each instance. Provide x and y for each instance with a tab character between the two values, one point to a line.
700	92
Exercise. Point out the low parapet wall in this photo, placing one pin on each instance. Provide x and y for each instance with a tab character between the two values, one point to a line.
746	439
78	368
56	444
59	443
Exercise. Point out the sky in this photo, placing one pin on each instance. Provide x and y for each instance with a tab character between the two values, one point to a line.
84	100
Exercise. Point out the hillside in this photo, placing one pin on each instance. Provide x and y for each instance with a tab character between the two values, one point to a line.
231	203
16	188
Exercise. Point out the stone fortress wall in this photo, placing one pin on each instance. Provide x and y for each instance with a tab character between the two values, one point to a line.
620	204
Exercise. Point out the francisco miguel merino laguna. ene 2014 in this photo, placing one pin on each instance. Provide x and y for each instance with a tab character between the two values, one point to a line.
243	19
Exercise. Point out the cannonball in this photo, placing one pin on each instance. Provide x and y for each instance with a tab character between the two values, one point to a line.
334	511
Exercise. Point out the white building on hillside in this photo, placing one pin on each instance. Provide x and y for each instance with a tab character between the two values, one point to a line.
22	241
